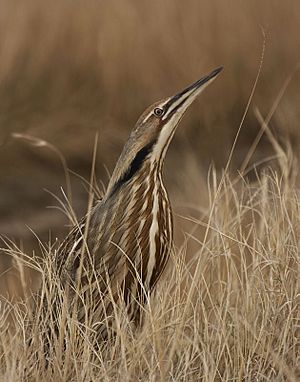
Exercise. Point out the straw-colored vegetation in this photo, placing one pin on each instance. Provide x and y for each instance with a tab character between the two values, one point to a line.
227	308
230	313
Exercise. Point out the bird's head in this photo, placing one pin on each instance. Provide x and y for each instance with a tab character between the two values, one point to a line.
154	130
159	121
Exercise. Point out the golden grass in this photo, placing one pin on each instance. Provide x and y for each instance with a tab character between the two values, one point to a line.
230	313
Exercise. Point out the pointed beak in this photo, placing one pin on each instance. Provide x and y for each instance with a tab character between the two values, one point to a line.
181	101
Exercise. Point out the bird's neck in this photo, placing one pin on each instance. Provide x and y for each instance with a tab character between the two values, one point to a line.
128	202
138	165
139	171
132	218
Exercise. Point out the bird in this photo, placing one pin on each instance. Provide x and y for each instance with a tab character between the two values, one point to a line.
119	250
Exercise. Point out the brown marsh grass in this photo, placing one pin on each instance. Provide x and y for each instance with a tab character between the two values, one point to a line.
230	313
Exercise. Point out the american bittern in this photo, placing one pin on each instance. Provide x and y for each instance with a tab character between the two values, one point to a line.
126	239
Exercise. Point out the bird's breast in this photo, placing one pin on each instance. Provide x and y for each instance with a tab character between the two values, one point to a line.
136	231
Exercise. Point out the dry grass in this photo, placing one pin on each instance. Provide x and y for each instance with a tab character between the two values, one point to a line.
231	313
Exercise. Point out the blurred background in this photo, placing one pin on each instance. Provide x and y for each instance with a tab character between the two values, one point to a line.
71	70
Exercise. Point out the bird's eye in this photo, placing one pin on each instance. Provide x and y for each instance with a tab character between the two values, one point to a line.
158	112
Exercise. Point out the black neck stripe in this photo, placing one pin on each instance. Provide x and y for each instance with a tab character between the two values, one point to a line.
134	166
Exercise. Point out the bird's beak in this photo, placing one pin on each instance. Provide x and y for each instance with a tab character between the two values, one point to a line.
181	101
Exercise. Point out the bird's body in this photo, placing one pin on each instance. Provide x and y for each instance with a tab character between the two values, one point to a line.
129	237
122	247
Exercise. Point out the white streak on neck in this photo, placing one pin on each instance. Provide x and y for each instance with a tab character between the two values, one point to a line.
152	235
165	136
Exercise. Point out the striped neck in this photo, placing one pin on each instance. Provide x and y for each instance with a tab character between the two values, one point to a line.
138	222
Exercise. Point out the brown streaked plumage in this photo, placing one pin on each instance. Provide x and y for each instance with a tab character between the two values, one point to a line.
126	239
